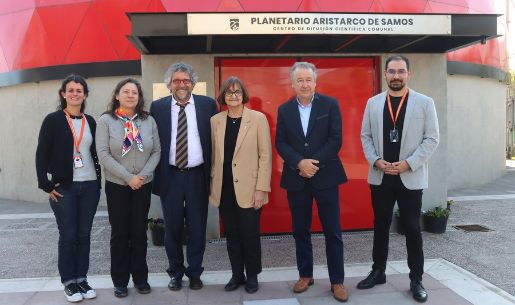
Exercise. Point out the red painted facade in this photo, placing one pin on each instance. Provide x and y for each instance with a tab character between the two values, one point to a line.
39	33
268	92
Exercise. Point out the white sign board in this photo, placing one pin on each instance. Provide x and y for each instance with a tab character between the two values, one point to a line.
313	23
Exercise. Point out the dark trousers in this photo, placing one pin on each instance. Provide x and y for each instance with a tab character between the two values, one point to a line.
410	203
128	214
74	214
329	213
241	228
186	198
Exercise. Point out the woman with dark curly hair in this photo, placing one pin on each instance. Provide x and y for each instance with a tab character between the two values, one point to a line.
66	151
129	150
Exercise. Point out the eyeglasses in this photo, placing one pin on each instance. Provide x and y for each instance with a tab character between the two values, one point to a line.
233	93
400	72
186	82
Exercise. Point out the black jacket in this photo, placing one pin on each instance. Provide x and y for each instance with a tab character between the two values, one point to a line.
54	153
322	142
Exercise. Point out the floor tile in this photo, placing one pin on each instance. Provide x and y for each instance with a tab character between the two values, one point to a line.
160	296
289	301
388	298
323	300
270	290
445	296
213	295
18	298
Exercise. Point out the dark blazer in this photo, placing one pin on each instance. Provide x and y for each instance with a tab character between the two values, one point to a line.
322	142
55	146
161	111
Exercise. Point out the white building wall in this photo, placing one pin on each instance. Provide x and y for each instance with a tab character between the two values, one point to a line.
476	128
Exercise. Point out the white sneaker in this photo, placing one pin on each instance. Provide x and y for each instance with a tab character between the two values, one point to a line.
72	293
86	291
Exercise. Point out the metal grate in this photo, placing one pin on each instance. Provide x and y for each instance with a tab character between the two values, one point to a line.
473	228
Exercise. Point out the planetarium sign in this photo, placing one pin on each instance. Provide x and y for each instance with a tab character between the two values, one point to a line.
313	23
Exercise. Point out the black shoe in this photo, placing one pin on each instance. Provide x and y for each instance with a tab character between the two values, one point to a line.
86	290
175	284
252	284
143	288
196	283
234	283
375	277
72	293
120	292
419	292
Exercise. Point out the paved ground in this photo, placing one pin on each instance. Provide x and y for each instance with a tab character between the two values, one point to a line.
461	267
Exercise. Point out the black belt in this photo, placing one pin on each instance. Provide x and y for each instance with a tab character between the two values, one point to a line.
185	169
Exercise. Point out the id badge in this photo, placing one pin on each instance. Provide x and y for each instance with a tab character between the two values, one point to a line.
394	136
77	161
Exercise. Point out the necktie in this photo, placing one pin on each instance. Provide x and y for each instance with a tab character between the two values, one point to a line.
181	142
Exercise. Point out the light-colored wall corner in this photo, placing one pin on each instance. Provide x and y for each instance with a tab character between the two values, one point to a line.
477	130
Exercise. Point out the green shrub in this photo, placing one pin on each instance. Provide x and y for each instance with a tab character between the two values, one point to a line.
438	212
155	223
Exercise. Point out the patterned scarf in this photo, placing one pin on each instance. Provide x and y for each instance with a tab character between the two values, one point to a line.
131	132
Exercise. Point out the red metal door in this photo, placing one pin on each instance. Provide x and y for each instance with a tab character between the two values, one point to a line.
351	81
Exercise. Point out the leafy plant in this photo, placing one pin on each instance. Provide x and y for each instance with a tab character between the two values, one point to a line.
438	212
156	223
449	204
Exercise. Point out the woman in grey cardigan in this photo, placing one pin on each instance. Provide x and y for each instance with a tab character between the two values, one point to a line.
128	148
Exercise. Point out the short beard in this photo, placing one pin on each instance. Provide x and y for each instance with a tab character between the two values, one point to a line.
399	88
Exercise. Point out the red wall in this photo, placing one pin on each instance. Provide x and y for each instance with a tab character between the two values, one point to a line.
38	33
337	77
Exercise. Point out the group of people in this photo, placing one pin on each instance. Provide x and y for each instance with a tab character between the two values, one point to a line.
189	154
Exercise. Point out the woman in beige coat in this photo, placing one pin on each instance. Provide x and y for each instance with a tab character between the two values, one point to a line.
240	179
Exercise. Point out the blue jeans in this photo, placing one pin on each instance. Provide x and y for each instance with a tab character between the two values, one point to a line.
74	214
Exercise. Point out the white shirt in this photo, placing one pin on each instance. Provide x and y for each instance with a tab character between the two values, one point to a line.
194	147
305	112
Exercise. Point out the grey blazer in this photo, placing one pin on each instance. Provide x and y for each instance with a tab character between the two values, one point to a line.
420	137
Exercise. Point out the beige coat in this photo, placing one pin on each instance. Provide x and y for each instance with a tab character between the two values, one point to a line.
252	160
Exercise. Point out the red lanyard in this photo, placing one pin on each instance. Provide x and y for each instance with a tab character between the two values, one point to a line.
75	140
394	120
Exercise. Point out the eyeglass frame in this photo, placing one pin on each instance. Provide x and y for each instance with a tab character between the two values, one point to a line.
237	93
393	72
184	81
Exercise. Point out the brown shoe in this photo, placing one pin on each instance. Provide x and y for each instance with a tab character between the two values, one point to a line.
303	284
340	292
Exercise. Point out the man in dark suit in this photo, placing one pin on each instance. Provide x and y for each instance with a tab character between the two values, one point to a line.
308	138
183	173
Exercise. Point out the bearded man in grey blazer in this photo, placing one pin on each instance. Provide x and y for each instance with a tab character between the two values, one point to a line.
399	133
